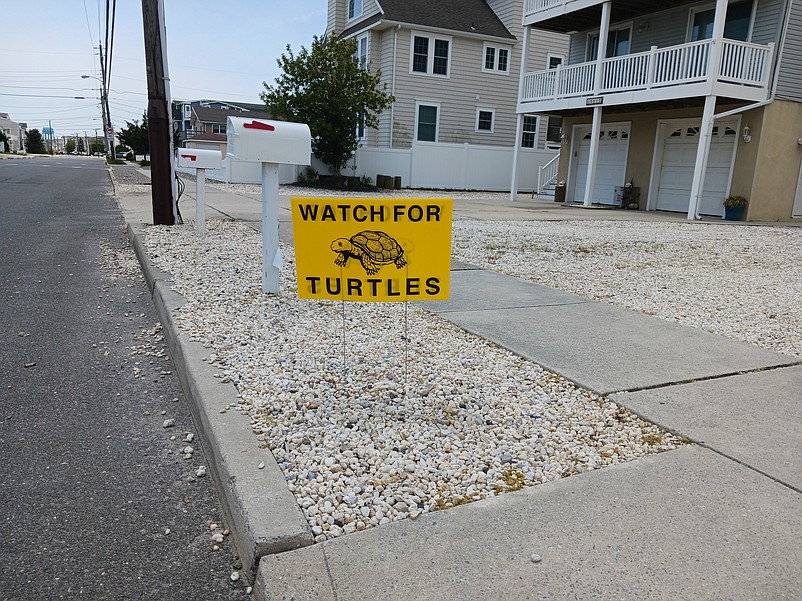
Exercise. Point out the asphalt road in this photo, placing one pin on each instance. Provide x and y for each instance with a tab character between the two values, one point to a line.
96	498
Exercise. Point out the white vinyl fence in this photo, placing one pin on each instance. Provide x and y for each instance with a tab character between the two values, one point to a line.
452	166
425	165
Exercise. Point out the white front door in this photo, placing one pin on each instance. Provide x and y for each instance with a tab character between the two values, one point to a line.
675	176
612	162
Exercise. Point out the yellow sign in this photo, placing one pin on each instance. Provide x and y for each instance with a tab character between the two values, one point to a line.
372	249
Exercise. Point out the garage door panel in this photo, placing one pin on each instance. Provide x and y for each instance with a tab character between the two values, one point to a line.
677	168
610	165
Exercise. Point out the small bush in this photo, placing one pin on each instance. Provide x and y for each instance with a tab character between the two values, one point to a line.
110	161
144	163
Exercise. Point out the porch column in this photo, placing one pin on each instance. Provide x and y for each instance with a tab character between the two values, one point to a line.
604	31
702	153
706	129
516	150
516	143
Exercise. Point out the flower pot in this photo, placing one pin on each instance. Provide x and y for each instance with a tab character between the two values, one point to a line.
734	213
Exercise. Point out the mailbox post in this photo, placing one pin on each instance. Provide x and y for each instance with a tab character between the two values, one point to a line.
201	160
270	143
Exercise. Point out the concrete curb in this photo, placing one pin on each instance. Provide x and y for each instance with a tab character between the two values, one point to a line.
263	515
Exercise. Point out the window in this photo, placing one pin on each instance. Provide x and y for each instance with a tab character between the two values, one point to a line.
484	119
736	25
617	43
496	59
554	60
554	130
362	51
529	132
420	54
360	127
361	55
427	122
430	55
218	128
354	8
440	64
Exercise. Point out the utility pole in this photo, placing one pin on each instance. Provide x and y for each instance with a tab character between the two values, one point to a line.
104	105
159	130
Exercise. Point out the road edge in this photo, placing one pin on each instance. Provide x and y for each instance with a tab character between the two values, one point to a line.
264	516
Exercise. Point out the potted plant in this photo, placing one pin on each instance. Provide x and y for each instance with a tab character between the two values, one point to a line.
734	207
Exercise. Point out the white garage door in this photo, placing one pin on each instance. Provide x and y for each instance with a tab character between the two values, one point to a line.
679	157
611	166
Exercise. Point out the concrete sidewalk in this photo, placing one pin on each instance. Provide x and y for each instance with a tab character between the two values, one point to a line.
721	519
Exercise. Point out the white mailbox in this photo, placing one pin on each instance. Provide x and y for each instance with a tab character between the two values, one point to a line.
199	158
265	141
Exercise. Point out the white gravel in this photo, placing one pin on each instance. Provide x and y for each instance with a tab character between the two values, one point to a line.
742	282
370	429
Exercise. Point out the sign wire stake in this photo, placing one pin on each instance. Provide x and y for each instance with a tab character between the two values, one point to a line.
342	310
406	346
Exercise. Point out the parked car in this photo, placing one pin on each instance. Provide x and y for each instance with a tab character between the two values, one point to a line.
128	156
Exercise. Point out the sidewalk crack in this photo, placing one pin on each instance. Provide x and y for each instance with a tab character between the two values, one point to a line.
328	571
746	465
703	378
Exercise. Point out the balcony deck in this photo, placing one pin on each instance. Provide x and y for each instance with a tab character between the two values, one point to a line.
683	71
566	15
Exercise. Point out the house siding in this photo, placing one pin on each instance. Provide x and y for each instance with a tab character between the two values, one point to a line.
335	19
459	96
541	44
789	77
383	54
510	13
467	88
768	18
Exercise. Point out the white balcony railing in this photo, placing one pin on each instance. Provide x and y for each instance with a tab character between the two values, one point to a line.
532	7
741	63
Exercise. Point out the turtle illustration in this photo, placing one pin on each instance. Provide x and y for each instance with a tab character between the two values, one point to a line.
371	248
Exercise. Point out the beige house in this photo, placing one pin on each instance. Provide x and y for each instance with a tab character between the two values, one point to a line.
689	101
453	67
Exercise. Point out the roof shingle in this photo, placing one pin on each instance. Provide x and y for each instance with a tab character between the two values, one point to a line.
467	16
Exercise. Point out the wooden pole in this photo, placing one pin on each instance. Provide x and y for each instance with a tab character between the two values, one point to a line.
159	134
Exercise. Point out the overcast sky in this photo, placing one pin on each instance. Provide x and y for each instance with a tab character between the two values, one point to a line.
220	49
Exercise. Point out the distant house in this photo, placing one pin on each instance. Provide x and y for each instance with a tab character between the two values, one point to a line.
689	101
202	123
453	67
14	131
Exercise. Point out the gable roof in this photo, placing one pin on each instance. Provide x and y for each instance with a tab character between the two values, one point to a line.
465	16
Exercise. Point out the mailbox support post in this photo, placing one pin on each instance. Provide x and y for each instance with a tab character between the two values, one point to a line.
271	143
200	160
200	200
271	259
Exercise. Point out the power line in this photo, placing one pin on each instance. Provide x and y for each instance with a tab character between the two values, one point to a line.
47	96
89	29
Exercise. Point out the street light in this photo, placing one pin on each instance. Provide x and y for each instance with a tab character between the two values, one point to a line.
108	132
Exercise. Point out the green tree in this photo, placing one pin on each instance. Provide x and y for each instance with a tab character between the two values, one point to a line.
81	146
136	135
6	142
96	145
328	89
34	143
69	146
